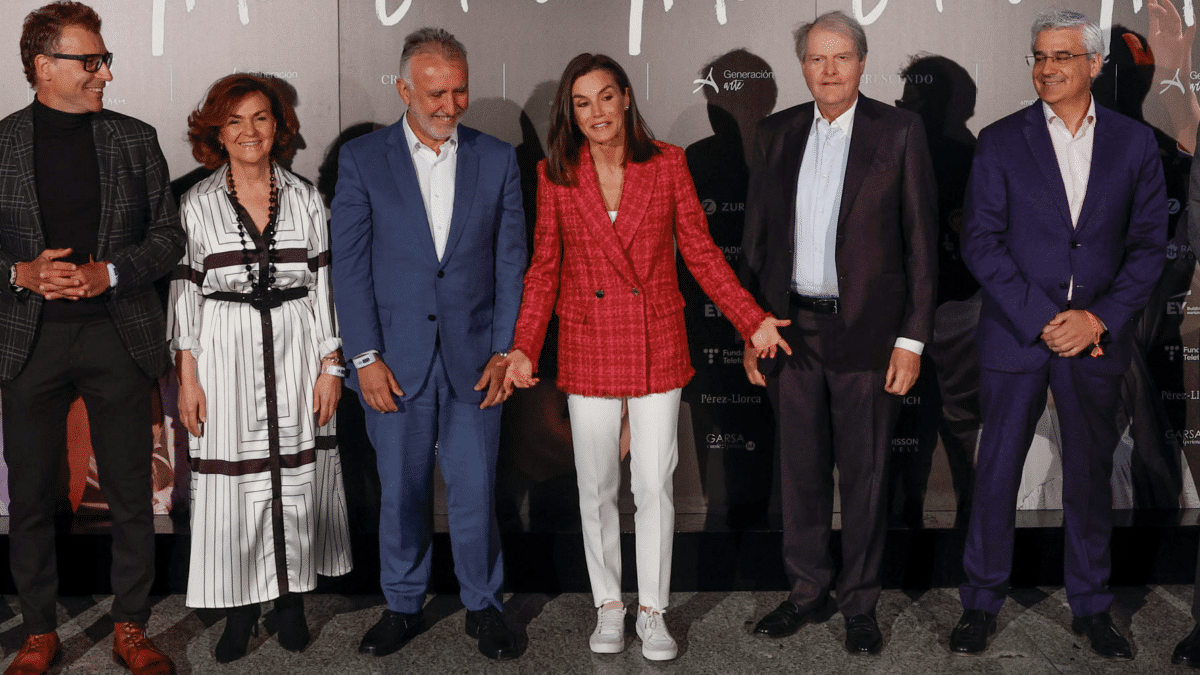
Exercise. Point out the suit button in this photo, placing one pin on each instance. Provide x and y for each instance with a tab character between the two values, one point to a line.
441	274
432	317
636	292
1063	285
1074	244
600	293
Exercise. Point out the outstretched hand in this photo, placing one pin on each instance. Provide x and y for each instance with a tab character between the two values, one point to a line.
767	338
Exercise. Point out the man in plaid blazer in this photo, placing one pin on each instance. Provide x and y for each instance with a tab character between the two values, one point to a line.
87	224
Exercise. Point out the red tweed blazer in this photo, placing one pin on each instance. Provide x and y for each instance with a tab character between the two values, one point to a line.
613	285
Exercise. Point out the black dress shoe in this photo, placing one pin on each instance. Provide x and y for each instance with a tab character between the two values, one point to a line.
783	621
1104	637
1187	652
970	636
292	628
496	641
239	623
862	635
391	632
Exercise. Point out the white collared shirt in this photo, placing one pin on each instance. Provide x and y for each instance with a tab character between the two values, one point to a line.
818	199
1074	156
435	174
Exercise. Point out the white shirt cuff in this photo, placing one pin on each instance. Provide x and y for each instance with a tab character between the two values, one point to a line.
112	275
914	346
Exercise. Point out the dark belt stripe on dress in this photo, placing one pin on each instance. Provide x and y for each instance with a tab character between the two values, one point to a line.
246	467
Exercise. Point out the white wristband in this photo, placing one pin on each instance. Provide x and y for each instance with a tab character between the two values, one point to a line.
336	371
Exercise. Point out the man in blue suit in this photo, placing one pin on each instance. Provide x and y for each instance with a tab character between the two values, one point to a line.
429	254
1066	218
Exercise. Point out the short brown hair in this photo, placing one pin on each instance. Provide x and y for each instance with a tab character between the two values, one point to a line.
44	26
566	138
204	125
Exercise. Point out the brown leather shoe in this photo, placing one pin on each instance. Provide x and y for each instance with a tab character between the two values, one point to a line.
36	655
133	650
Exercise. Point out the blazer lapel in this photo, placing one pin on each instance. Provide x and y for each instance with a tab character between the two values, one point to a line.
1102	137
590	204
106	150
791	153
466	174
864	140
1037	136
400	165
638	187
26	181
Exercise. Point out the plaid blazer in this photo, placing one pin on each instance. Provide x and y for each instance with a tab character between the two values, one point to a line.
139	234
614	285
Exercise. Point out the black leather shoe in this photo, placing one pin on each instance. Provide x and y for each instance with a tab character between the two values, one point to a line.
292	628
240	622
391	632
970	636
862	635
1187	652
1106	640
496	640
783	621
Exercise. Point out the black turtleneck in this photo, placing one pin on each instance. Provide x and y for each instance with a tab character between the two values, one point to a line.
68	190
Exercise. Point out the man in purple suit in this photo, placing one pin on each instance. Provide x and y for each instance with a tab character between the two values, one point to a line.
1067	244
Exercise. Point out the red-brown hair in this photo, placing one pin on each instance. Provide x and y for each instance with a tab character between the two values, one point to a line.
44	26
204	125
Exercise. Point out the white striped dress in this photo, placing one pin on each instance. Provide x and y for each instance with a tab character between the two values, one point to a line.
268	506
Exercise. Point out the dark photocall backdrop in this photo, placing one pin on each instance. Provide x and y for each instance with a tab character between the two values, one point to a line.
704	72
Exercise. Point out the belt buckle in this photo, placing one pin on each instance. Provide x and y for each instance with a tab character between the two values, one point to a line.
829	305
265	299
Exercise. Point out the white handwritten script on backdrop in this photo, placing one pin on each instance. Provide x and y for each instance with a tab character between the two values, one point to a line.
392	17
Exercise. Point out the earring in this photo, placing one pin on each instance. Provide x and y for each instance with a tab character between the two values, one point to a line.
627	107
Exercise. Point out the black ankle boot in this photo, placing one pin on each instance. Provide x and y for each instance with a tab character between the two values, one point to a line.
239	623
289	615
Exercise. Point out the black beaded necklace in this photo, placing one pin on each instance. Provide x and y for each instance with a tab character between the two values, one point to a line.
268	234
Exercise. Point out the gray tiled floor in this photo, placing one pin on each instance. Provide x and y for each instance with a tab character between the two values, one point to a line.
713	630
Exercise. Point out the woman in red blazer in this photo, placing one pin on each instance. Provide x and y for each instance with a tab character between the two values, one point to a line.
612	205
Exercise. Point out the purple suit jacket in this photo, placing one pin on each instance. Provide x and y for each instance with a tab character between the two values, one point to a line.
1019	243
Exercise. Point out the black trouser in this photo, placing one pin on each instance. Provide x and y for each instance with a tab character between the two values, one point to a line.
831	418
69	360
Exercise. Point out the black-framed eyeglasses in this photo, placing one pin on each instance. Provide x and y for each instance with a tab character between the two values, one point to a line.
91	62
1059	57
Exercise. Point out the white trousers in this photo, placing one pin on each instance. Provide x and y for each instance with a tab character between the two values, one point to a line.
653	452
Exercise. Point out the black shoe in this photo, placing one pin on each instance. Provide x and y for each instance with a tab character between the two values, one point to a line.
292	630
1106	640
239	623
391	632
496	641
970	636
787	618
1187	652
862	635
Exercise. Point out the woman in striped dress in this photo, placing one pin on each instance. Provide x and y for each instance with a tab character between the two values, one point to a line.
259	360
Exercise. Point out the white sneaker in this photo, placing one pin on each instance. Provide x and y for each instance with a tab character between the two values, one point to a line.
609	636
657	643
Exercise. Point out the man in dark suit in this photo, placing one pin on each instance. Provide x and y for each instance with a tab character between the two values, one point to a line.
1067	243
87	224
429	253
840	235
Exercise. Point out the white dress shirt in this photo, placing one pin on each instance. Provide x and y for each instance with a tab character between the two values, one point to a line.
435	174
1074	156
818	202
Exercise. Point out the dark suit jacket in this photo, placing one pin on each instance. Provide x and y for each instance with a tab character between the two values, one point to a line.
886	230
139	234
391	291
1019	242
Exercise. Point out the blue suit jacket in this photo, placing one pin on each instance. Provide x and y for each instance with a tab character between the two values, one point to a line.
391	292
1019	243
